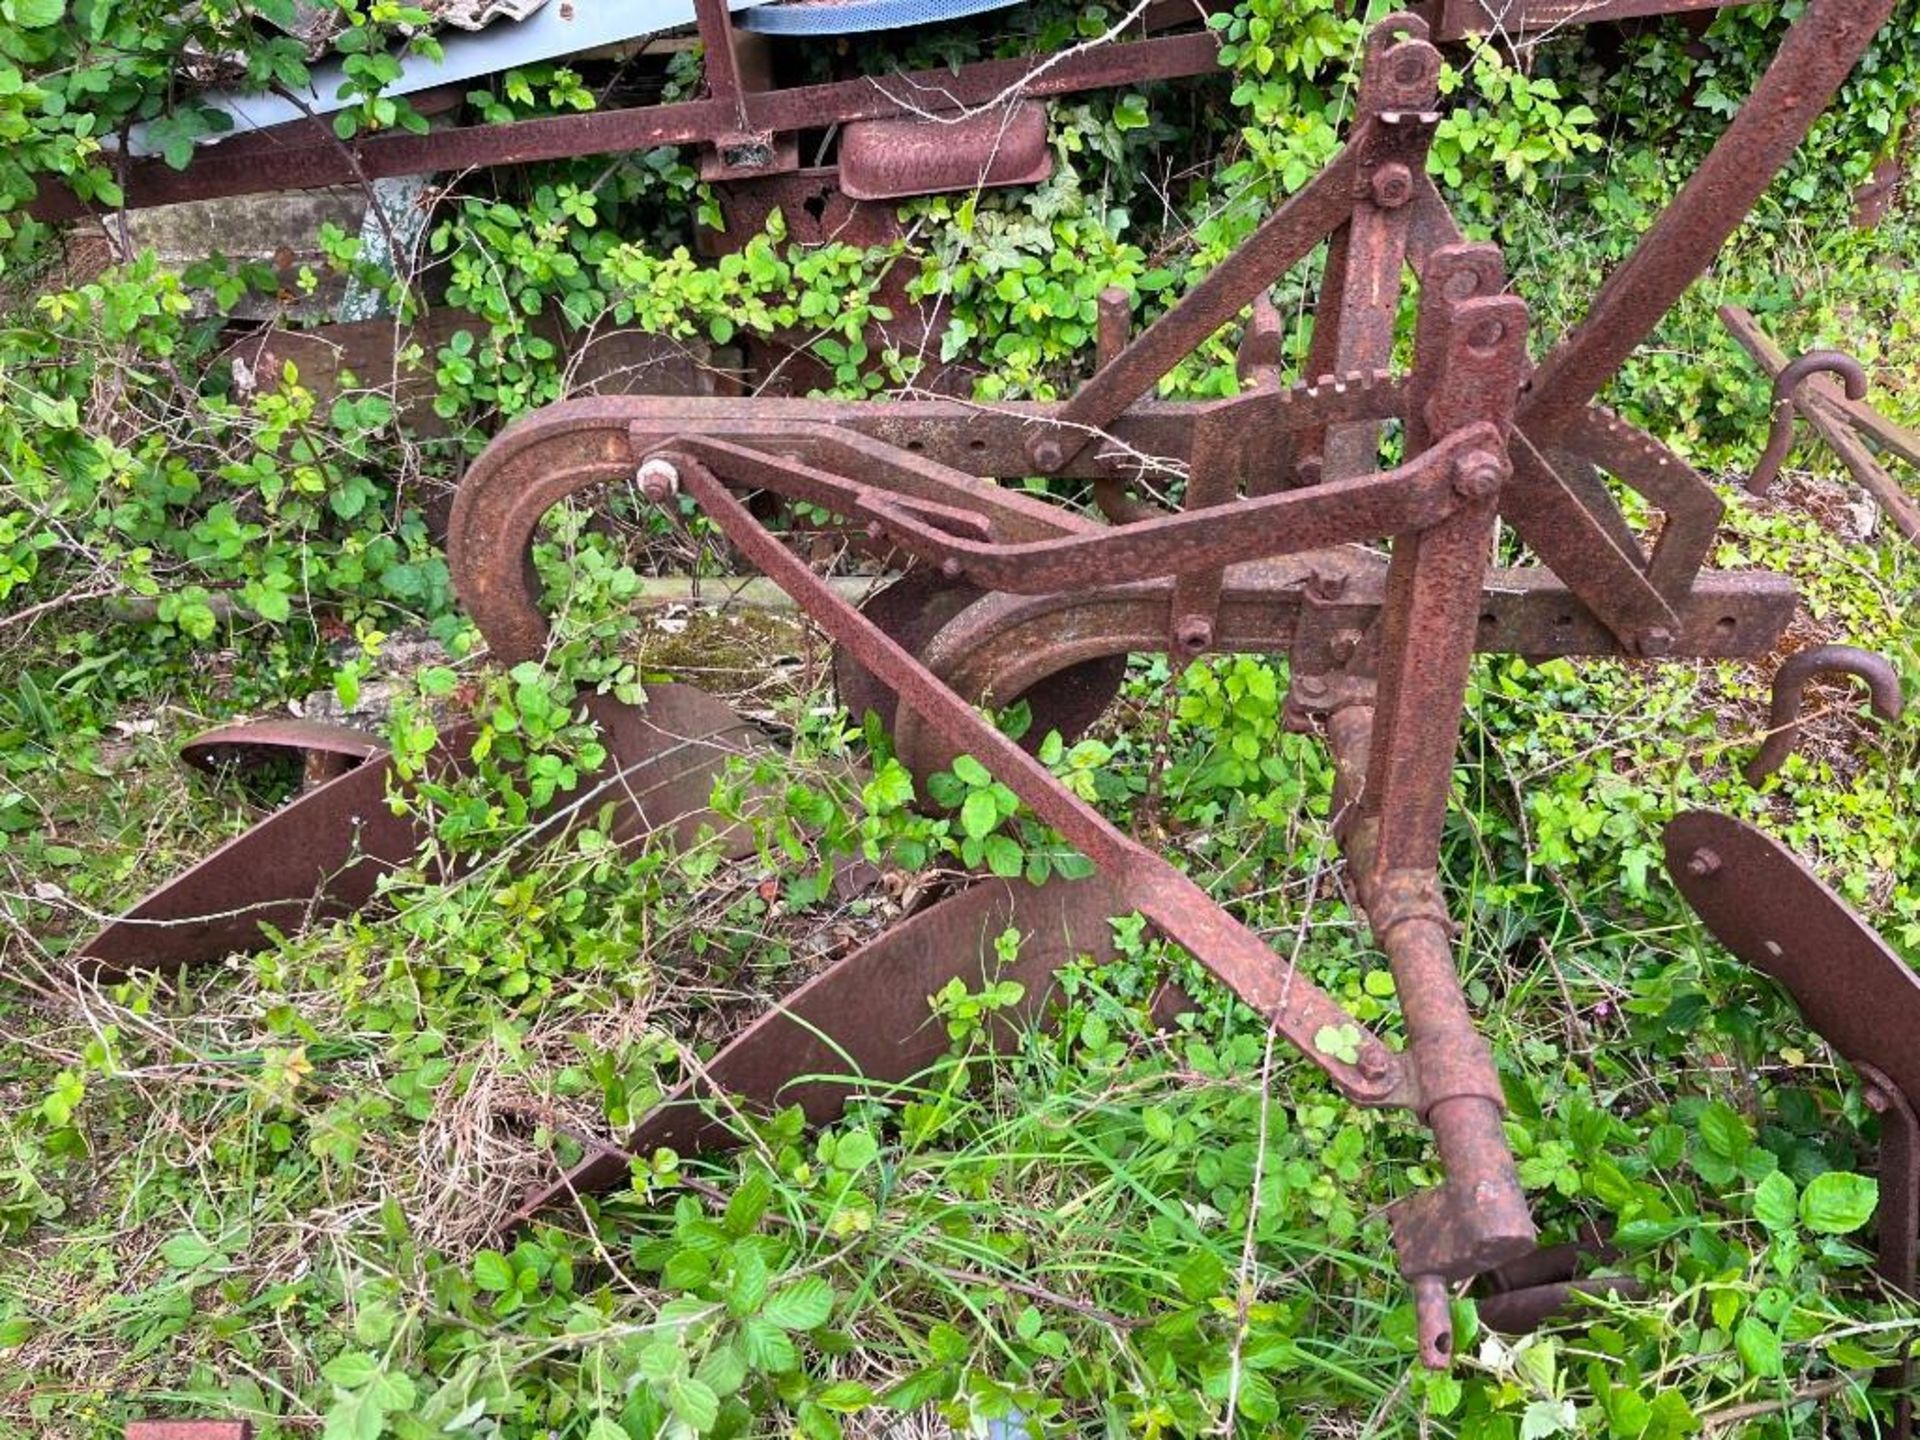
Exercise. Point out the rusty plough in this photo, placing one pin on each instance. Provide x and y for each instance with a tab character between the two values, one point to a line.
1006	596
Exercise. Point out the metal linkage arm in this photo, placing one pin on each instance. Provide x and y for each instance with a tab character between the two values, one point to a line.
1419	494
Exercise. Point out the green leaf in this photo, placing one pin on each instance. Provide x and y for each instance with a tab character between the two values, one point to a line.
351	1370
605	1429
971	771
1537	1360
1003	856
1759	1347
391	1390
354	1416
1672	1417
766	1348
1341	1042
663	1362
694	1403
1838	1202
187	1251
855	1150
979	815
800	1307
1203	1276
34	14
492	1271
724	1370
1548	1417
1724	1131
748	1287
1774	1199
845	1396
373	1323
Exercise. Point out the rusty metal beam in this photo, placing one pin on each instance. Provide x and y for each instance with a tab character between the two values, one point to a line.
307	156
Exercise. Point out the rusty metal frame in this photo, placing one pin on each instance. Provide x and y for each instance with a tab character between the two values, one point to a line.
1283	483
1481	437
744	125
733	116
1440	502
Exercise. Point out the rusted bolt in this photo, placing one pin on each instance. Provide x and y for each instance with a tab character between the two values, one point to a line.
1373	1063
1343	645
1487	335
1461	285
1310	687
1392	185
1656	640
1415	65
951	569
1703	862
658	480
875	530
1194	633
1047	455
1478	476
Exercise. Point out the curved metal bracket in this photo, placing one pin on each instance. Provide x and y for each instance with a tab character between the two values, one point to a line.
1785	386
1789	686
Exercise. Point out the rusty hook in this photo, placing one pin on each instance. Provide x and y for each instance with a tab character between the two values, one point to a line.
1785	385
1790	681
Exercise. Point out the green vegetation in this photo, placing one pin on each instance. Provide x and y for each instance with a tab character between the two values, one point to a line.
275	1188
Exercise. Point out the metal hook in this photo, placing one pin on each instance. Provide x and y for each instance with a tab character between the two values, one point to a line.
1790	681
1785	384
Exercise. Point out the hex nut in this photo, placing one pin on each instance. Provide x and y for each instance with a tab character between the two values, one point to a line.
1392	185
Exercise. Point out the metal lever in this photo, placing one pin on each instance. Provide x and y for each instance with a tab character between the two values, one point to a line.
1785	385
1789	686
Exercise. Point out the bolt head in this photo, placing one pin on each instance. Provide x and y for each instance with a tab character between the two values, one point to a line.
1048	455
1373	1063
1391	185
1703	862
1479	476
1194	633
1655	641
951	569
658	480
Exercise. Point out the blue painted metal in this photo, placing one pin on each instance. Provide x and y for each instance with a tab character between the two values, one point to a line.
851	17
